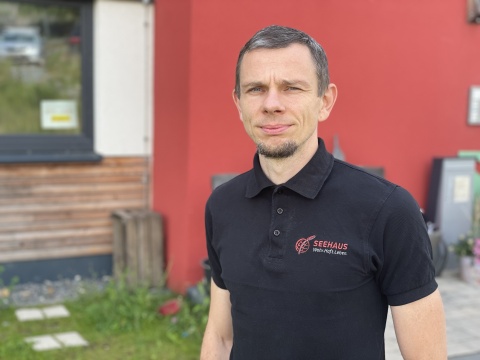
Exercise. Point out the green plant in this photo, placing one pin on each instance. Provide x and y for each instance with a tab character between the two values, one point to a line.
191	319
120	308
13	281
464	245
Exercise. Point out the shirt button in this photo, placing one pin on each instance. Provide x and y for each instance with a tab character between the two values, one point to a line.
280	211
276	232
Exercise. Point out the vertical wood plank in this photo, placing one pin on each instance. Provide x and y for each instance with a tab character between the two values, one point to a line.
157	246
131	251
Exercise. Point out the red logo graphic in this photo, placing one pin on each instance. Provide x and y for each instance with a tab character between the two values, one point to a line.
302	245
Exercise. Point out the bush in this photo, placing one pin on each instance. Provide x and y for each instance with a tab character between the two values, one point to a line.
464	245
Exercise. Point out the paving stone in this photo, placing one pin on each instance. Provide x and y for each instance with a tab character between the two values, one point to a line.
395	356
29	314
460	349
43	343
57	311
70	339
462	311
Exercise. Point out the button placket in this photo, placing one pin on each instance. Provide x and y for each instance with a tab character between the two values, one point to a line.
277	239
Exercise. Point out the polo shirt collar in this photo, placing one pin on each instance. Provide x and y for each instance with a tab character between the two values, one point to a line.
307	182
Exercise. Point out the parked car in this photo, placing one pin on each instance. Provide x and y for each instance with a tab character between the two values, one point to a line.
22	44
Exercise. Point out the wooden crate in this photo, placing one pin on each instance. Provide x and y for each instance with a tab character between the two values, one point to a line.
138	247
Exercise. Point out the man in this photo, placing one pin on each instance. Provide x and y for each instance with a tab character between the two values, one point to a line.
306	251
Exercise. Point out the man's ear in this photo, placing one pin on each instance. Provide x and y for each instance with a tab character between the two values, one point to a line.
236	100
328	99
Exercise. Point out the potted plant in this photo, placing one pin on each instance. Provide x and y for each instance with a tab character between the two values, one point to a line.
463	248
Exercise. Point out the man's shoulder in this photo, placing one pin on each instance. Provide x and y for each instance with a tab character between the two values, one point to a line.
365	175
368	188
361	187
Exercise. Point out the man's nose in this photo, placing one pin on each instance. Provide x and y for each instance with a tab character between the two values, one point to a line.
273	102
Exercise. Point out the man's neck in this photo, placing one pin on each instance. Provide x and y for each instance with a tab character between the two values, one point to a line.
279	171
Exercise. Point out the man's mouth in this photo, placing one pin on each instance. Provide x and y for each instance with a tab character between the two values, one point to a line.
275	129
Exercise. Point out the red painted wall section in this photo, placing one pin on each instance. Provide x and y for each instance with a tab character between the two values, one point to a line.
403	70
172	121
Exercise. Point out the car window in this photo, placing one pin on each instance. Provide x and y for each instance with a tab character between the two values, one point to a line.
19	38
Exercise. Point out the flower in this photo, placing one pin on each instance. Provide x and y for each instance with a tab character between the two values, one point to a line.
464	245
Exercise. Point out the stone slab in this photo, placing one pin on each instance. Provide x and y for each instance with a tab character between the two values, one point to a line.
43	343
57	311
29	314
70	339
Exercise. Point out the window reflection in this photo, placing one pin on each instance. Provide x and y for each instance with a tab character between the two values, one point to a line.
40	68
21	44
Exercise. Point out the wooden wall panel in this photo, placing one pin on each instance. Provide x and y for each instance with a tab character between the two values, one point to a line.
63	210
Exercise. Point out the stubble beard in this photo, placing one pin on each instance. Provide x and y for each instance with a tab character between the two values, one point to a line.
283	151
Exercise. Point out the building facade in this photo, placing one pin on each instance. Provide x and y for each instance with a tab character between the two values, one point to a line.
403	70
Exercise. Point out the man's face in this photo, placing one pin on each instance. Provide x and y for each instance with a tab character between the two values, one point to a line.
279	103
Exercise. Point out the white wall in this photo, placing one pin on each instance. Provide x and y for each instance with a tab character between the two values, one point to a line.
123	77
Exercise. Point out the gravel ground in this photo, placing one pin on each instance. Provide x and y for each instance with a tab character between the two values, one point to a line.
49	292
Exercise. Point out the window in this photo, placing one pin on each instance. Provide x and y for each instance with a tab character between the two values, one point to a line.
46	86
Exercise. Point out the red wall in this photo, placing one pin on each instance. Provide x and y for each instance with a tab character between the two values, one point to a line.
403	69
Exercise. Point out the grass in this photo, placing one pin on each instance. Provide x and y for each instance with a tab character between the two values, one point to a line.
118	323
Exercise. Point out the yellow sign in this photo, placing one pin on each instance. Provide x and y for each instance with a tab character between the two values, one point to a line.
59	114
61	118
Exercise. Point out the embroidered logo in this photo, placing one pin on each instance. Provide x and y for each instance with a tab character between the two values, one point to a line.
302	245
321	246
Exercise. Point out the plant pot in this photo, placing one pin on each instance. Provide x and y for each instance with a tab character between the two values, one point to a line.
467	268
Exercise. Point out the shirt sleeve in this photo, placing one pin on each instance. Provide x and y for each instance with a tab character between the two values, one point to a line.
212	254
401	250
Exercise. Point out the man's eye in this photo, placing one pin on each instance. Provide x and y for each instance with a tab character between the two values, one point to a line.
255	89
291	88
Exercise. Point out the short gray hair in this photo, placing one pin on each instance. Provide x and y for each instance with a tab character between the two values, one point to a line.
277	37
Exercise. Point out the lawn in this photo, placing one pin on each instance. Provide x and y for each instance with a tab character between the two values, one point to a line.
118	323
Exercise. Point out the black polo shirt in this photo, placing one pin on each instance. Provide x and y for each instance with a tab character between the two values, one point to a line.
311	265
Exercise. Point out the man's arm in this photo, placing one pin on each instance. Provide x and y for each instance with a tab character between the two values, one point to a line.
420	328
218	337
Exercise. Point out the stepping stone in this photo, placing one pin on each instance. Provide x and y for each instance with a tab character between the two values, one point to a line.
50	312
29	314
44	342
58	311
56	341
70	339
